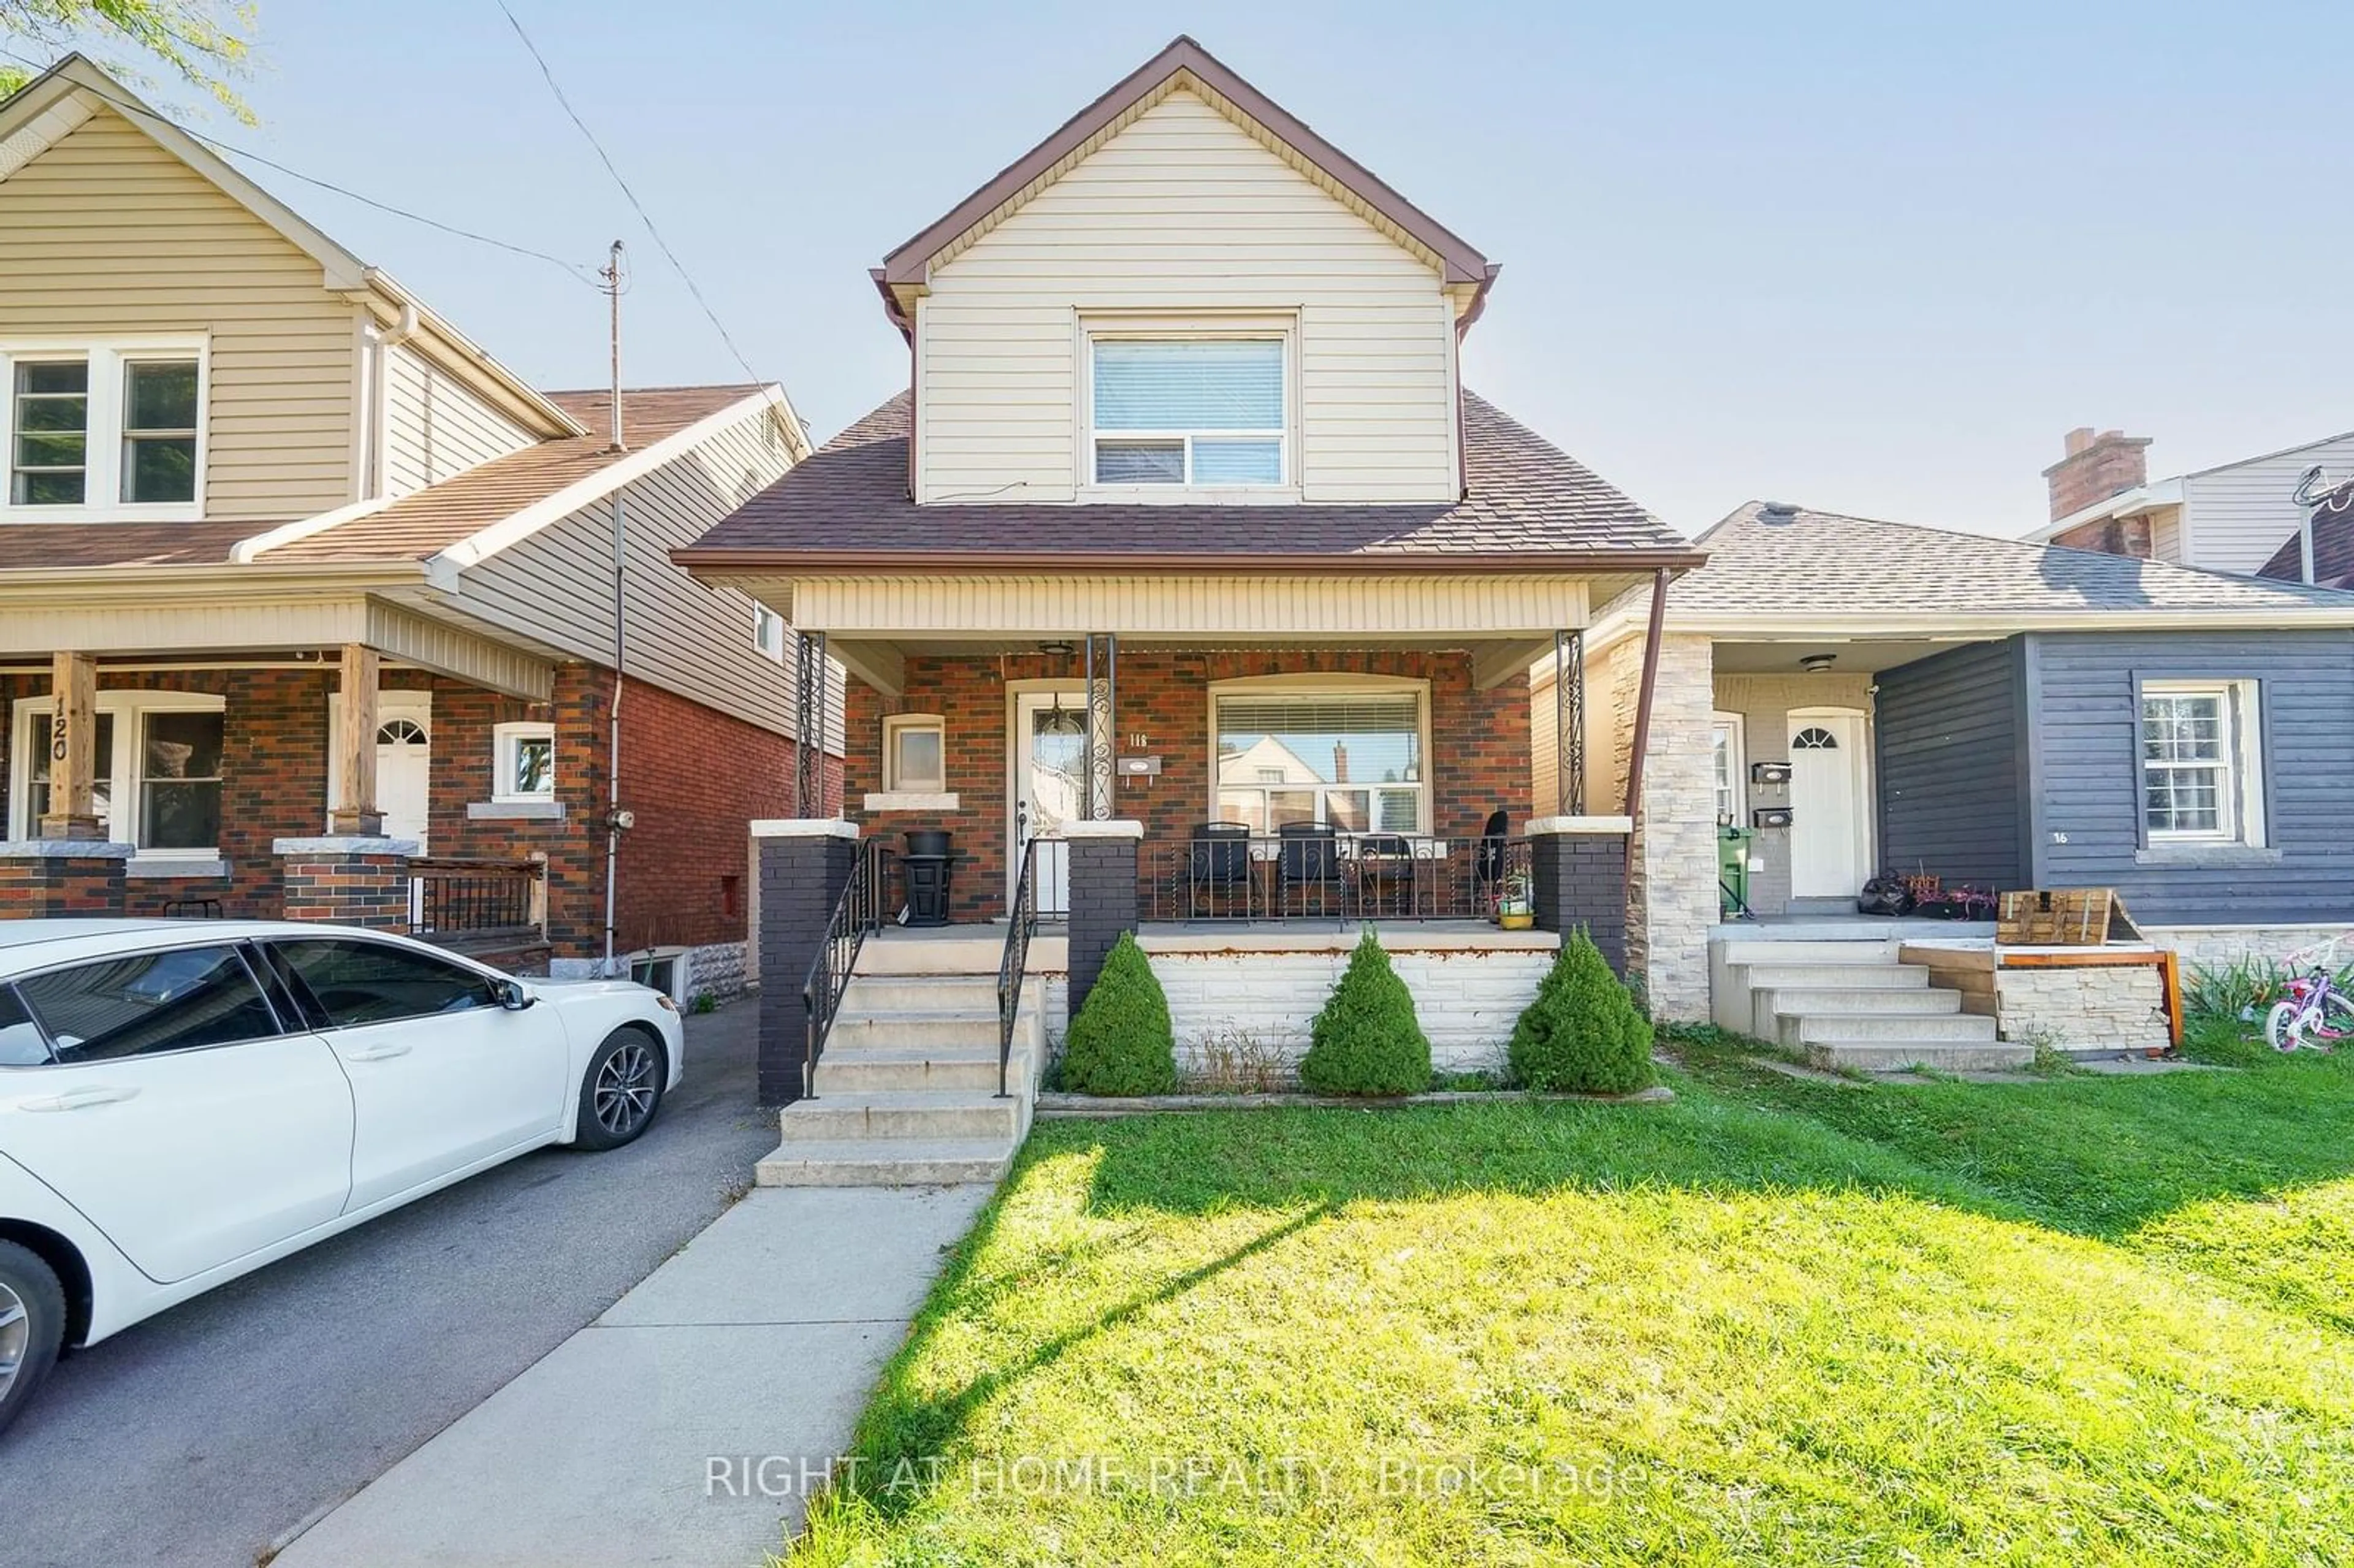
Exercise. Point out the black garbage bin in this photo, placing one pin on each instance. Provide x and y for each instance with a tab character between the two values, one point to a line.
924	870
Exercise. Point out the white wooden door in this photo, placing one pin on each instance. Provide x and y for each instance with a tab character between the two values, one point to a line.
1050	787
1827	805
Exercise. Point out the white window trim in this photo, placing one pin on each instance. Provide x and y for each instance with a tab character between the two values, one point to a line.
896	725
103	485
1332	685
1736	760
504	739
31	723
2241	792
1092	331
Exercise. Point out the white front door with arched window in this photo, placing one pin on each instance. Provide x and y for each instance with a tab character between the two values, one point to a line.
404	762
1831	827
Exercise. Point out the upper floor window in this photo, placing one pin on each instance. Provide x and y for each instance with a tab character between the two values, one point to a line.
1201	412
769	632
104	429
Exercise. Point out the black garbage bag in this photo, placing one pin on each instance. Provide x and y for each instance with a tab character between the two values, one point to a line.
1884	894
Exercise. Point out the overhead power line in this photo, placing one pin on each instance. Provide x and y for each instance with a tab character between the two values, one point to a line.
575	270
639	207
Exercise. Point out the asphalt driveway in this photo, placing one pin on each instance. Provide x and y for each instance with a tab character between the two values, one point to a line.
202	1435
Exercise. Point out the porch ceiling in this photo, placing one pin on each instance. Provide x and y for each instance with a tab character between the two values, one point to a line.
1853	656
882	662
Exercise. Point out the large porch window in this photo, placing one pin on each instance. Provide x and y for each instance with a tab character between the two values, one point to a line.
1351	760
158	766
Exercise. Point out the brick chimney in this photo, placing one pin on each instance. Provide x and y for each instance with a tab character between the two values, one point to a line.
2098	464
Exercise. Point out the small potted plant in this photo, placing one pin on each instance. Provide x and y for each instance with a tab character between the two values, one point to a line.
1516	908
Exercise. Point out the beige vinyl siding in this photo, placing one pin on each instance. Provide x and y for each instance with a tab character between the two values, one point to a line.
1181	213
2238	516
683	635
2165	535
107	234
434	428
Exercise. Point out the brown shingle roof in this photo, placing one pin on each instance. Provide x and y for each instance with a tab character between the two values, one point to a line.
1527	499
36	544
442	515
2332	544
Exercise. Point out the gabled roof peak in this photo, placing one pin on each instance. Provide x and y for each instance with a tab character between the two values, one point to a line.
1459	261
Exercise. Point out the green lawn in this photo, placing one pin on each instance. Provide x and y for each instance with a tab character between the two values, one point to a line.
2081	1320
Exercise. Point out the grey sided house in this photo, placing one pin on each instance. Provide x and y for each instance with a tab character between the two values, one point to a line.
1861	695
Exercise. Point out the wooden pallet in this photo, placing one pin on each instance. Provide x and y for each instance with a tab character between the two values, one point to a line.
2063	917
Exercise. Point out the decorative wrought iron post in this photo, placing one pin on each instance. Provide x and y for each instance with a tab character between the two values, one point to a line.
809	725
1569	721
1103	682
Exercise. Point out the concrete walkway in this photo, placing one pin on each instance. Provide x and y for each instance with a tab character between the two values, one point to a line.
678	1427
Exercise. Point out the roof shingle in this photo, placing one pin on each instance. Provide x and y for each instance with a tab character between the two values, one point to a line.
1764	560
1526	498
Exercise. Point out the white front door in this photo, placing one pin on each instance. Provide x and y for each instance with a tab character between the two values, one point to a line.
404	762
1827	805
1050	787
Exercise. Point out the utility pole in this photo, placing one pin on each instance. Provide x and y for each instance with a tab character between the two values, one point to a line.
615	820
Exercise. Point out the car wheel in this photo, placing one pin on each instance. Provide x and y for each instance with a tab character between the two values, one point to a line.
32	1326
622	1091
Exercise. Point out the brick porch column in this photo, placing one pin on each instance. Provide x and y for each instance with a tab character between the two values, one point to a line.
349	880
1579	867
805	863
48	877
1103	894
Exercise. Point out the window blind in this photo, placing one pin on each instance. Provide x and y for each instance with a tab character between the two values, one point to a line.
1199	384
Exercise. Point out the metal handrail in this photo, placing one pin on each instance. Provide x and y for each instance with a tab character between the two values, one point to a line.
857	914
457	897
1020	926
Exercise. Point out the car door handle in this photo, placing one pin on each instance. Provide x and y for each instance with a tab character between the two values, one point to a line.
377	1054
78	1099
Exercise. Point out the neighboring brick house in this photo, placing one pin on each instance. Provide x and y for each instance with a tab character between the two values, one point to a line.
1186	525
289	571
2241	516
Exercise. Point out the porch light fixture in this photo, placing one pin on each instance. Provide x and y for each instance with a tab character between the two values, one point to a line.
1058	649
1816	663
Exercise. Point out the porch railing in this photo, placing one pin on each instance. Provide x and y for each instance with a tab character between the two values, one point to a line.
1020	924
1325	875
457	900
857	915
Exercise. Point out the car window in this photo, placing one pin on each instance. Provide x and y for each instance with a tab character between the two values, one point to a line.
21	1045
376	982
146	1002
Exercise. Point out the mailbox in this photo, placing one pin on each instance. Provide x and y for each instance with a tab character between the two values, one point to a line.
1770	816
1139	768
1769	773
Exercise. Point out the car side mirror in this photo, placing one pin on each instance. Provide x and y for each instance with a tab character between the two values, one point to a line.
513	997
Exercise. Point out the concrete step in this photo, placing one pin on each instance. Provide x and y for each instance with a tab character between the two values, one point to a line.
886	1162
1875	1028
1800	908
1812	1001
923	993
902	1114
932	1031
1833	977
971	952
1896	1056
917	1067
1750	950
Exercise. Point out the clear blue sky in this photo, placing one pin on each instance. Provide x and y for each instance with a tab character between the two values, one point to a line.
1872	258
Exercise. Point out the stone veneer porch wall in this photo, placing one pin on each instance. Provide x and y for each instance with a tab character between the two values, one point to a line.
1671	861
1480	743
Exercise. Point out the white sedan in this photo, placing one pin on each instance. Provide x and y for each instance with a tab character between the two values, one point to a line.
183	1101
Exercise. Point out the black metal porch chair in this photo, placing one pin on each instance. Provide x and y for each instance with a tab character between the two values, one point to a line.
1307	869
1488	866
1386	875
1216	866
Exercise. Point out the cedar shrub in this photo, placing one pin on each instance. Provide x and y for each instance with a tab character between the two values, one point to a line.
1583	1032
1367	1040
1121	1042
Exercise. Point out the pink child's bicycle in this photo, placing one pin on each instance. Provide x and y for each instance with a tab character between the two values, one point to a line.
2317	1014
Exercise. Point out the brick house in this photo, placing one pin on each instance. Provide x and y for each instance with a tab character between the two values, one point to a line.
1186	536
308	603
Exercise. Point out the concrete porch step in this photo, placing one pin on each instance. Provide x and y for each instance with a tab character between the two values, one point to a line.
1874	1027
923	993
1756	950
877	1067
897	1114
1812	1001
932	1031
886	1162
1896	1056
1835	977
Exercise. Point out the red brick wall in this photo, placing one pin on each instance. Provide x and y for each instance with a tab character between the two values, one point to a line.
694	776
1480	742
2111	535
